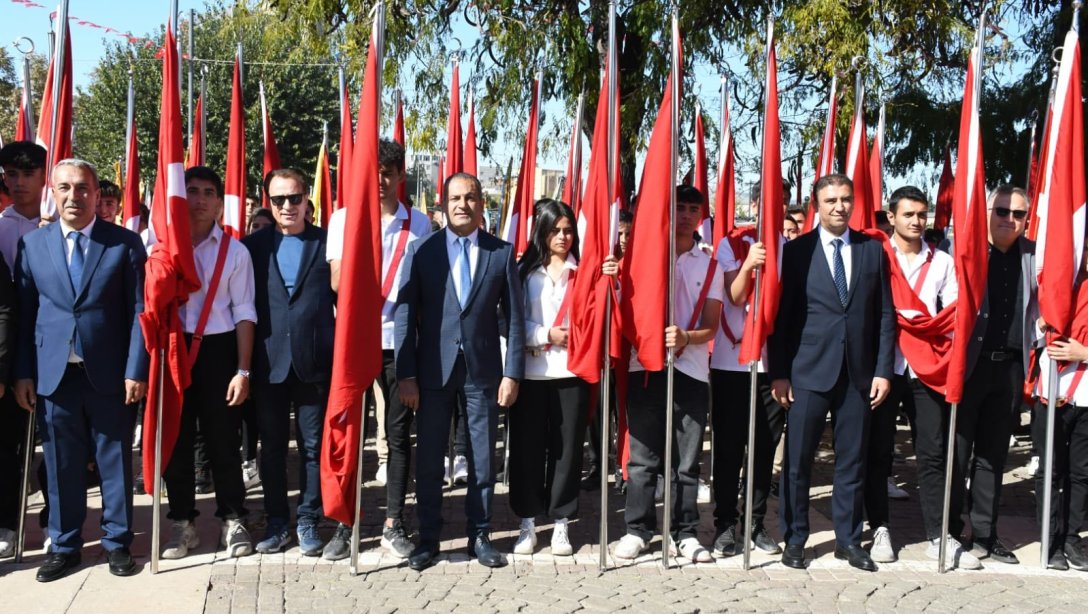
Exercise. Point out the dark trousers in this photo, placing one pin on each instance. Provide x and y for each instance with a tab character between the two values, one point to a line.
80	424
436	409
250	430
850	413
547	431
220	425
12	440
1069	483
991	401
646	427
398	435
931	416
881	452
732	399
272	405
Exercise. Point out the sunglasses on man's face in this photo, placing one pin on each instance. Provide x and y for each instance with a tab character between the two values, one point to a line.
1005	211
294	199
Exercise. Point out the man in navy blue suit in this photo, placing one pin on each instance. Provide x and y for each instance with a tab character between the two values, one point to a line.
833	348
447	327
81	287
292	356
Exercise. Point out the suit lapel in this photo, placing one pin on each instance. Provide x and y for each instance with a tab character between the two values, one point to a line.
306	261
483	257
820	257
94	255
58	252
275	277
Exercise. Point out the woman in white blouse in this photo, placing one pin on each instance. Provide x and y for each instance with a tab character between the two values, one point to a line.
547	424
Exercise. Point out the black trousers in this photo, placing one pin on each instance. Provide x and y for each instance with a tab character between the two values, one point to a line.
12	439
547	431
1069	483
931	416
221	426
398	435
881	452
646	427
732	398
991	401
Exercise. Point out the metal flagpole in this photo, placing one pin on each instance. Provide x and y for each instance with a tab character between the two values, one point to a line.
156	491
722	148
58	77
129	119
670	356
1031	149
28	84
1048	463
606	363
203	119
192	21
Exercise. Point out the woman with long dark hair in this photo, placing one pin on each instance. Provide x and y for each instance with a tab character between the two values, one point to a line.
547	424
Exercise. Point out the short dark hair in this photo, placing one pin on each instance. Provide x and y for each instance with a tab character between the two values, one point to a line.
907	192
832	179
204	173
23	155
790	220
109	189
794	211
626	217
689	194
391	153
468	176
286	173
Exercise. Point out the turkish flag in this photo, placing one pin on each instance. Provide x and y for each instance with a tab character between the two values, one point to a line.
234	199
572	185
357	354
131	201
343	157
57	142
170	275
876	165
454	151
520	225
398	137
271	151
24	125
725	198
825	162
699	180
470	141
857	169
945	189
196	140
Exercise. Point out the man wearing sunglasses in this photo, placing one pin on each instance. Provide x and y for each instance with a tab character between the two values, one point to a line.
997	356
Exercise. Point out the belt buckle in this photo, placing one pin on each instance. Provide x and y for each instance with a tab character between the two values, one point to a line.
534	352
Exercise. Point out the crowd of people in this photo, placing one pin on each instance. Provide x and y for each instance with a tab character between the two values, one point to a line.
470	329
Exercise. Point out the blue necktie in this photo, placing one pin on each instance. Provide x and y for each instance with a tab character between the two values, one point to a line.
75	273
464	270
840	271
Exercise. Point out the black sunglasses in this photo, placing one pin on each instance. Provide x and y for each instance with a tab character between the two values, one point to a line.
1005	211
296	199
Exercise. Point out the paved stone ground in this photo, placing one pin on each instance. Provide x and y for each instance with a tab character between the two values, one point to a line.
287	582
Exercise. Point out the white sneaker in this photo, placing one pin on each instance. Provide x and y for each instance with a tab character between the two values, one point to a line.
704	492
251	476
382	474
692	550
560	539
894	492
882	550
460	469
526	537
7	543
955	555
629	547
1033	466
183	538
235	538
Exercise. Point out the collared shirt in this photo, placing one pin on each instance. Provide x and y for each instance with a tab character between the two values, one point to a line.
69	246
691	268
940	283
827	241
453	250
1005	330
543	298
233	301
288	259
12	227
418	228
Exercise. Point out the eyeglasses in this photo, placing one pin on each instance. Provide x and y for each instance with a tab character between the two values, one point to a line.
295	199
1005	211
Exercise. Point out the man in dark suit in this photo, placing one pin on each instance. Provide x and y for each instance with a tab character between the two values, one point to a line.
81	288
833	348
292	356
447	328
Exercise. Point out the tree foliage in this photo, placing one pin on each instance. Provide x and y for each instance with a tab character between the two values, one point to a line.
11	88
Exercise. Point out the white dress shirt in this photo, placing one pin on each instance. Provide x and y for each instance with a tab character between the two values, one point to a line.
418	227
691	268
69	247
543	298
1065	380
725	356
940	282
233	301
827	241
12	228
453	249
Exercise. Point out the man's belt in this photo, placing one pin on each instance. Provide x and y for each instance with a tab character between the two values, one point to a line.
1001	355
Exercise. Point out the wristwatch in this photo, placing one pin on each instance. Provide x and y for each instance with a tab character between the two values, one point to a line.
243	372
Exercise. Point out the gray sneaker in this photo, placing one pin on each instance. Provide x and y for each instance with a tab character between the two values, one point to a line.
395	540
725	544
235	538
339	547
183	538
276	539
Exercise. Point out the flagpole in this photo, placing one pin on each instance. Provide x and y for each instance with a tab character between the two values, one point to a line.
28	86
1048	463
129	117
670	357
156	499
192	20
58	77
1031	150
606	363
203	119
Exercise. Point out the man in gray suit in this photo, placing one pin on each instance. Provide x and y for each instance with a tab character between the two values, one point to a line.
447	327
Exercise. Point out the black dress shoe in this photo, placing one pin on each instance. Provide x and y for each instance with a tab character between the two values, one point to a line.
997	551
57	565
794	556
1058	561
1076	557
423	556
856	556
121	563
484	552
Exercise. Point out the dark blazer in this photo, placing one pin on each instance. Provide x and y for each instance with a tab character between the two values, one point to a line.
431	327
1030	306
105	308
8	301
295	330
814	333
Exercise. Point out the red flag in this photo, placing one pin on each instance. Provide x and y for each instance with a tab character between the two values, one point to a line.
131	201
24	125
1061	198
700	181
572	185
454	151
58	143
725	198
857	168
520	225
347	143
945	188
196	140
357	356
759	323
643	310
271	152
469	164
170	274
971	249
825	162
398	137
234	200
876	164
